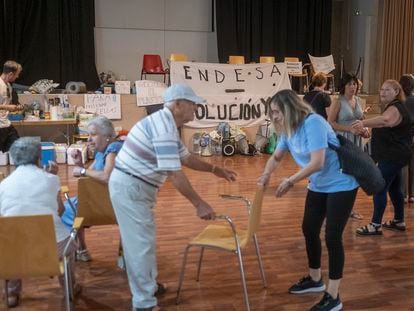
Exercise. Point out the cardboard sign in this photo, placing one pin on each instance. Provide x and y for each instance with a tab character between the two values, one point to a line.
149	92
108	105
294	67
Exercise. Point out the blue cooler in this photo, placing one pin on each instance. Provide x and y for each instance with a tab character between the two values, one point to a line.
48	153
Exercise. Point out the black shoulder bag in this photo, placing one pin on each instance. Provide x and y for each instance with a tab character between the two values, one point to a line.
353	161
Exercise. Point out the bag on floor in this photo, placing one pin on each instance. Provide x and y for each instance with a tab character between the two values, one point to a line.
353	161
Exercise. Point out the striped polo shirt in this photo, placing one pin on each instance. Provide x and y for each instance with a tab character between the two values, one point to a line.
152	148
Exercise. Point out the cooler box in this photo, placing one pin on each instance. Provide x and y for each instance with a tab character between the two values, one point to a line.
4	158
61	151
82	148
48	153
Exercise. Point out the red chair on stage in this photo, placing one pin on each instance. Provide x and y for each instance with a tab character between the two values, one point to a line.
152	65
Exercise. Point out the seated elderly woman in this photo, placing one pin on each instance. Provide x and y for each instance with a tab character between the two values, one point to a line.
102	138
29	190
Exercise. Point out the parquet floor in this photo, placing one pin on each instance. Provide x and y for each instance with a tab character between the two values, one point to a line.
379	271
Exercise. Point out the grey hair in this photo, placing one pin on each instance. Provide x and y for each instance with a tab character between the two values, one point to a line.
26	150
103	125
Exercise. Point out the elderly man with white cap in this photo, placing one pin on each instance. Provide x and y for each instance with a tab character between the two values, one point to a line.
152	152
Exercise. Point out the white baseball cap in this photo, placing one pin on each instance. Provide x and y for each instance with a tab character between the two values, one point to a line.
181	91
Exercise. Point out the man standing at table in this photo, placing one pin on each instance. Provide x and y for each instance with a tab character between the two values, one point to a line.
152	152
8	103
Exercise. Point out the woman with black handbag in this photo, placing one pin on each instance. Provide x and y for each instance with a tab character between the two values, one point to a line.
331	194
390	148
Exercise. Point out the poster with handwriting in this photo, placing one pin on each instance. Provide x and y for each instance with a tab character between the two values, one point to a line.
149	92
108	105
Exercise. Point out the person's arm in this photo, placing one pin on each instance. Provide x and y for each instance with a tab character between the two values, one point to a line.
11	108
271	164
333	116
315	164
390	118
61	207
183	185
102	176
194	163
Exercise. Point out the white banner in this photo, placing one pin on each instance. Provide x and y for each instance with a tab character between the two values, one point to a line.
149	92
322	64
108	105
234	93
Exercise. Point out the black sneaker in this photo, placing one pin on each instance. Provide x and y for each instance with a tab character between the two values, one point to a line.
327	303
307	285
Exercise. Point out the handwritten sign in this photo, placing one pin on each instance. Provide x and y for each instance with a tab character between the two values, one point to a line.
122	87
237	94
294	67
322	64
149	92
108	105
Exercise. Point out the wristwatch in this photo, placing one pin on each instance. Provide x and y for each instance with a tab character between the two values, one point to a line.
83	172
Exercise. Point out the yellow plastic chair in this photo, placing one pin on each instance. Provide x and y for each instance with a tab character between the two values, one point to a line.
303	77
267	59
29	249
236	60
228	238
177	57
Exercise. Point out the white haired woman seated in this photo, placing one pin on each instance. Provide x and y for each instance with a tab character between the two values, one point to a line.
29	190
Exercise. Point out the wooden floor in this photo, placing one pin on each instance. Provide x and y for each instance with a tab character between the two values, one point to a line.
379	271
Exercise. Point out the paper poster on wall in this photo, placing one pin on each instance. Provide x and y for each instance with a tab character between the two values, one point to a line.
108	105
149	92
323	64
237	94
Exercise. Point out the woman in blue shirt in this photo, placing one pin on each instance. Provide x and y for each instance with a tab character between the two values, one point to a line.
102	138
331	194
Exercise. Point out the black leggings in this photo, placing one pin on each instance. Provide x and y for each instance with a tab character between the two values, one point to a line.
336	207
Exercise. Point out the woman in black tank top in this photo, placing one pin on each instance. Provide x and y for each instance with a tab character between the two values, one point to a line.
390	146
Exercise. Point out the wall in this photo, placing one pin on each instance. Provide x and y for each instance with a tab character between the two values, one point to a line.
356	34
125	30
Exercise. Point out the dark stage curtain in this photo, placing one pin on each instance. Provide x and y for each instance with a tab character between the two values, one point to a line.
52	39
279	28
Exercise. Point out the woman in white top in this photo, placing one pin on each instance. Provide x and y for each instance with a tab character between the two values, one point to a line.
29	190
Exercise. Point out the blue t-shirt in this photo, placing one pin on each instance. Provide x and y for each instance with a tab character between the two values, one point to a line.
314	135
69	214
100	157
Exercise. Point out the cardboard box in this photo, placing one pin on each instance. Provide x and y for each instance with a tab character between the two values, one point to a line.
83	150
61	152
4	158
48	153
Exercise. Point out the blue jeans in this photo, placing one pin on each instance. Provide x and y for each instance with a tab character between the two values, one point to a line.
392	173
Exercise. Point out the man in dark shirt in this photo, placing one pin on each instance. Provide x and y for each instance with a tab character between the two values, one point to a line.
317	98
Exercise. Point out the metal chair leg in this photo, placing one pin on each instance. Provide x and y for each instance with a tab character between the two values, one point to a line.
259	259
243	279
180	282
67	291
199	264
6	294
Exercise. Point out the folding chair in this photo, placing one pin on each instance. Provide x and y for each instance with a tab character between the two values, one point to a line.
228	238
29	249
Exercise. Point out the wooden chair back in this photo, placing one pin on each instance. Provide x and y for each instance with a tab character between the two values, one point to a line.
267	59
255	212
94	203
236	59
28	247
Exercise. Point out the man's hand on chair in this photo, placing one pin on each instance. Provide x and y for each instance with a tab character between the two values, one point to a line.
205	211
